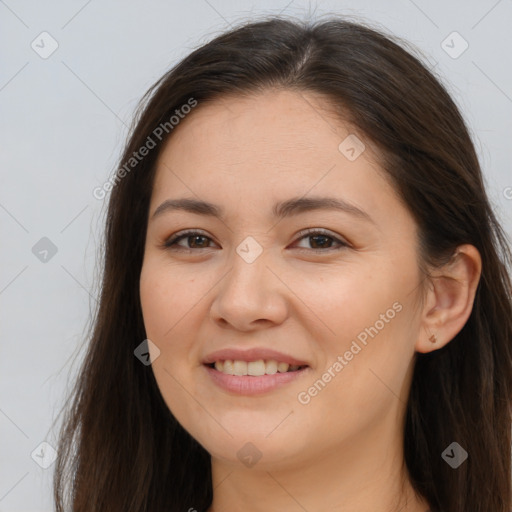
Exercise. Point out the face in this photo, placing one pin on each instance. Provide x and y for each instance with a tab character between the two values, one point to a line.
331	289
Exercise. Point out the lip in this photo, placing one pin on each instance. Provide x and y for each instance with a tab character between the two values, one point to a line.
250	385
253	354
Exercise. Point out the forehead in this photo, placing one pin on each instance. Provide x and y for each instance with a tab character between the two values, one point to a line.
276	144
270	122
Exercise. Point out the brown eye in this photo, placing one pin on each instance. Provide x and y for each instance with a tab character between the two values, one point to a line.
322	241
193	239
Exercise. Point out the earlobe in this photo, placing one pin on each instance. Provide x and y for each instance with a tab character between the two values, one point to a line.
450	299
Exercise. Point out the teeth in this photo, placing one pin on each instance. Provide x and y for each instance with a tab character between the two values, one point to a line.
271	367
228	367
254	368
282	367
240	367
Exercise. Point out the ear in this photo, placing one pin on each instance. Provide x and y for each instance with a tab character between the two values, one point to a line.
449	299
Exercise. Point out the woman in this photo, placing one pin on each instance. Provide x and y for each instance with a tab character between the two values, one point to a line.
305	301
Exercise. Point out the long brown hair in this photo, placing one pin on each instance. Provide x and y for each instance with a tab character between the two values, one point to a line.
121	449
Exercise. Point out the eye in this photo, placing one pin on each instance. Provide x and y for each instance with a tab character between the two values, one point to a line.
192	236
322	239
194	239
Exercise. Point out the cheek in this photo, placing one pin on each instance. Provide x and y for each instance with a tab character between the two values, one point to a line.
165	303
349	300
367	316
166	297
362	382
170	302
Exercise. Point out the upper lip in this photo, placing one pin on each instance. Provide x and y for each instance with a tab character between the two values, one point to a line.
253	354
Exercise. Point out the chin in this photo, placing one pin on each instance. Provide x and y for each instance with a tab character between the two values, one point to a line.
256	453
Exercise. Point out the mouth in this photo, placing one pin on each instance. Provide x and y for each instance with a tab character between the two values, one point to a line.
253	377
258	368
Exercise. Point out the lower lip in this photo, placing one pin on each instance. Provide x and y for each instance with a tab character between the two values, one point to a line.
249	385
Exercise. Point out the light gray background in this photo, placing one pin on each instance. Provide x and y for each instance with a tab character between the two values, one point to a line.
63	122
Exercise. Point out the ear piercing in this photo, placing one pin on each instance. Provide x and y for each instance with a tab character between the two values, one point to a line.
433	338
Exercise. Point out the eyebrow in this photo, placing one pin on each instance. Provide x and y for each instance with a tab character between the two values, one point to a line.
290	207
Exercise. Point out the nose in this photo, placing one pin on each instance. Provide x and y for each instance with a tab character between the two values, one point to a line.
250	295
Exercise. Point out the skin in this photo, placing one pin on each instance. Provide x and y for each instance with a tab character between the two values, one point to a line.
342	451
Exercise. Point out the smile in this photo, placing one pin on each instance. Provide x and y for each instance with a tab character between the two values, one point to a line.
254	368
251	378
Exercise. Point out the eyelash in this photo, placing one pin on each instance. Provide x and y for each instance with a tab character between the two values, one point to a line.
171	242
